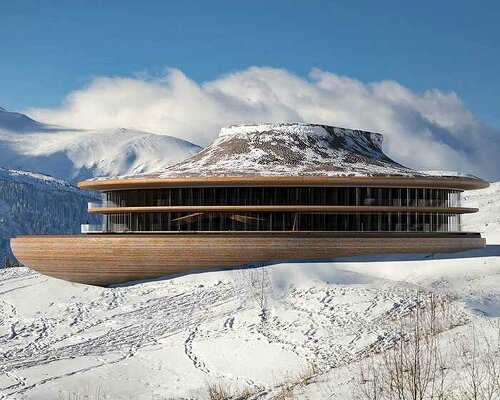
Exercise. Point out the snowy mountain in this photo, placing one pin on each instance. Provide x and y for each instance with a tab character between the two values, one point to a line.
75	154
35	203
16	122
296	331
293	149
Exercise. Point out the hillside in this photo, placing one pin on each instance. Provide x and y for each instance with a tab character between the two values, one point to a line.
488	220
17	122
35	203
253	328
77	154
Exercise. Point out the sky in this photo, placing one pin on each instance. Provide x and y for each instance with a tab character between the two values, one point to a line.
52	48
424	74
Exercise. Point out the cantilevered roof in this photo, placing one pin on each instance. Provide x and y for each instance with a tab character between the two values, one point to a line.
307	152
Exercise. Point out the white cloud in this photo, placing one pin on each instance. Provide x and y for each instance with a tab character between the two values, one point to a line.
430	130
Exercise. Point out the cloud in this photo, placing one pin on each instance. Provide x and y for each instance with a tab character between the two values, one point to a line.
430	130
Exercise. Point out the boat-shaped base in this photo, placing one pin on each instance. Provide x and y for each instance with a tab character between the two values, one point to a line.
104	259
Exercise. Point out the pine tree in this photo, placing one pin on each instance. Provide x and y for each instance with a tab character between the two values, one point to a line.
8	263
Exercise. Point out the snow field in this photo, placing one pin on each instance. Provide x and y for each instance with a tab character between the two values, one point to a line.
171	337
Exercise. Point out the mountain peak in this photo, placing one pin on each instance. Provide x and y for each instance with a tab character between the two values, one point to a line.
76	154
17	122
289	149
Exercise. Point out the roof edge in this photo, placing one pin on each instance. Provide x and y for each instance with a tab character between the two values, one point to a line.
457	183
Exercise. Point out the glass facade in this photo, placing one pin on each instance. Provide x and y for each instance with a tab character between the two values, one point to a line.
334	196
214	221
284	221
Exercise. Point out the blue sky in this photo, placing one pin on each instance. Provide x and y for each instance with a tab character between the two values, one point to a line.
50	48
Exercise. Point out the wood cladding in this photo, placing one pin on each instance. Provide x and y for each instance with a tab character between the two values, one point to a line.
281	208
367	181
114	258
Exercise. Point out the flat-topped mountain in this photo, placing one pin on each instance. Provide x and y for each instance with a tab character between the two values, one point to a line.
292	149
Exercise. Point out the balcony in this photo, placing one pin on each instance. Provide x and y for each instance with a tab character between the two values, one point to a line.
89	228
100	204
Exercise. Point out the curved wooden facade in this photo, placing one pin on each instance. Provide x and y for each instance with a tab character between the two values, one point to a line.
113	258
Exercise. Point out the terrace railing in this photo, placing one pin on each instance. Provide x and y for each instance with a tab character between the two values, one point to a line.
101	204
91	228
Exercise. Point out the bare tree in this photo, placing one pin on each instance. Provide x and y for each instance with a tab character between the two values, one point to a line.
416	366
492	362
422	366
259	285
479	359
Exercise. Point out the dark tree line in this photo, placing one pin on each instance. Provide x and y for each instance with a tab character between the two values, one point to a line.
39	209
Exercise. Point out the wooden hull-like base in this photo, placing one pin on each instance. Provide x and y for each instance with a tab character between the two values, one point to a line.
104	259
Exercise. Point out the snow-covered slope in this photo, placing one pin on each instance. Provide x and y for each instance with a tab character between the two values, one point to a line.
169	338
16	122
74	154
488	220
35	203
293	149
